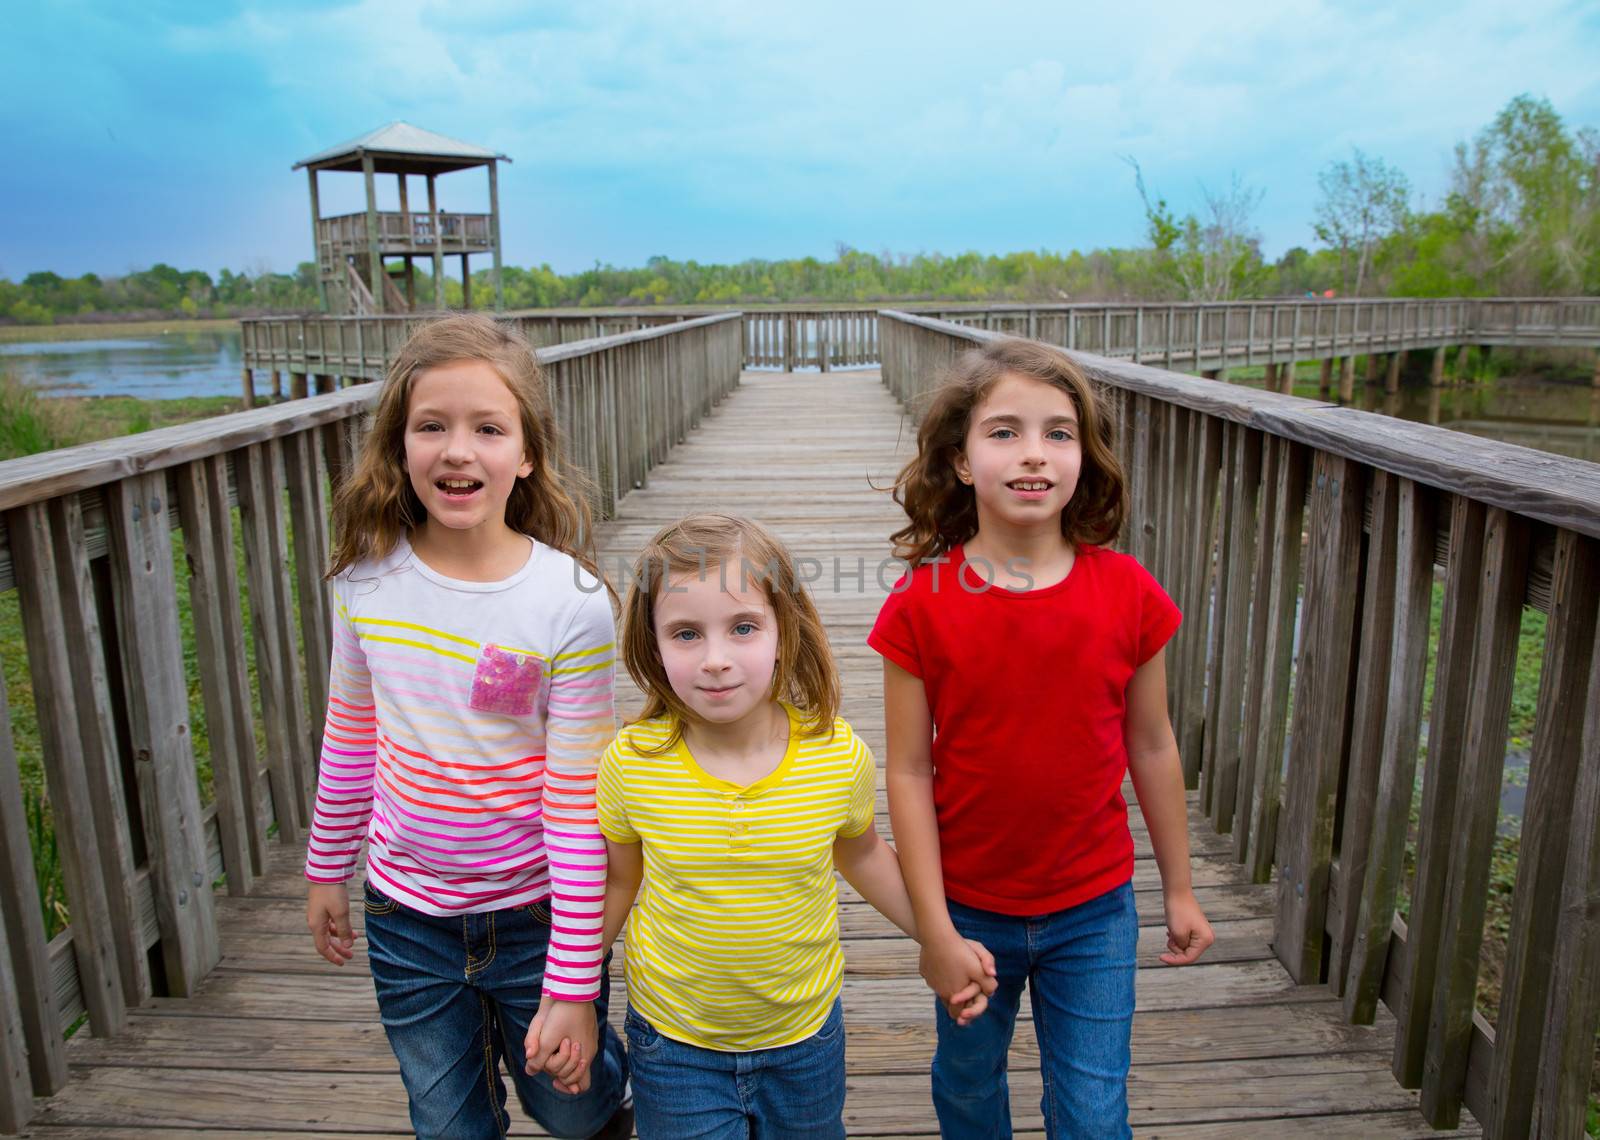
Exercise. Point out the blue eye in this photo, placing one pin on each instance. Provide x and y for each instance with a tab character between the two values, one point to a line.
685	635
744	628
1001	433
1061	435
491	429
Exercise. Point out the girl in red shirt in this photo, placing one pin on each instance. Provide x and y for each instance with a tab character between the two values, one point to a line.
1024	676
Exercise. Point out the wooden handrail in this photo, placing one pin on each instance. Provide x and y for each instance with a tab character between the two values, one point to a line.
1264	515
89	540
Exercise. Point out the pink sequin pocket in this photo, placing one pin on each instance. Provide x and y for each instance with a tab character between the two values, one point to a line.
505	682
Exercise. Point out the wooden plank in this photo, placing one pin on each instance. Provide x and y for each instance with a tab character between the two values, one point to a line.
211	589
16	1083
24	960
1567	1047
1554	770
1230	662
108	774
260	507
1321	713
156	693
1446	742
1391	812
1367	732
1191	733
308	518
1256	681
1494	659
1221	595
70	795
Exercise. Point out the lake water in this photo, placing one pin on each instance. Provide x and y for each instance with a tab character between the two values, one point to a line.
1563	418
152	367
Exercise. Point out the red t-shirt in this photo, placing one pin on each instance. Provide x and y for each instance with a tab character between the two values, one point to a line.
1028	692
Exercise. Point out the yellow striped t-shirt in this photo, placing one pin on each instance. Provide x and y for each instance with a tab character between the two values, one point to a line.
734	944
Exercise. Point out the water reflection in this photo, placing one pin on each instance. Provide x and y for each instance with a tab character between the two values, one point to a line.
156	366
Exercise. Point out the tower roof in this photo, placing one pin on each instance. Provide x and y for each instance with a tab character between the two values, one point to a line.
400	148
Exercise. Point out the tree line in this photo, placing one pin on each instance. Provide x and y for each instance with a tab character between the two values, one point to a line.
1521	217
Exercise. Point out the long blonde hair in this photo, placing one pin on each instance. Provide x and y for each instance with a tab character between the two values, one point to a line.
805	675
943	511
376	505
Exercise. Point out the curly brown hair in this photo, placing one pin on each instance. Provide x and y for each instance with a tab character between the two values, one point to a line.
943	511
805	675
376	505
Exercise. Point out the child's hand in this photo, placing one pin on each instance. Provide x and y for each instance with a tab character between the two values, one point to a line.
562	1041
961	973
1188	932
328	919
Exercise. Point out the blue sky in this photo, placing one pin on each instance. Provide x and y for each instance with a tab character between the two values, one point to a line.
725	130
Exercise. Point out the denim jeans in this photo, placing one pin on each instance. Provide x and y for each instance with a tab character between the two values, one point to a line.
1078	964
793	1092
456	995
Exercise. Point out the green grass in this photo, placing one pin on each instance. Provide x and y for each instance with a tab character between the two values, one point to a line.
27	334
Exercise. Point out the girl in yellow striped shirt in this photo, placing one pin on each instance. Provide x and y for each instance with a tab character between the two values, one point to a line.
732	800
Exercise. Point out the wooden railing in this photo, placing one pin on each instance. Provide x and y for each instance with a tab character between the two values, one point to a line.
99	540
1305	660
1192	337
407	231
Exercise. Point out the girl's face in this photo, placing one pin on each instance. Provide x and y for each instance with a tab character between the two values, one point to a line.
1022	455
464	445
718	640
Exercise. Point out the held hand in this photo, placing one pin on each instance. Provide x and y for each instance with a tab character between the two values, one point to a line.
562	1041
328	919
959	974
1188	932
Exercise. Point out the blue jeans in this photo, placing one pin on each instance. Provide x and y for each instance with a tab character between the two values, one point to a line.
1079	967
793	1092
456	995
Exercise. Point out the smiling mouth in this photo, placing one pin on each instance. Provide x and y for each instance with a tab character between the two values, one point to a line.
457	486
1030	484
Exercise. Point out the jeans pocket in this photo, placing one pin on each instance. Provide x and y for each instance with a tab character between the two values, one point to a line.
642	1036
832	1025
375	901
539	911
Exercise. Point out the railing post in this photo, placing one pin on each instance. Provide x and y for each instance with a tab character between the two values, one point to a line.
157	699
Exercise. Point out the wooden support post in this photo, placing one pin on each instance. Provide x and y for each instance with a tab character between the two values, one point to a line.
1463	362
374	246
1269	379
1391	380
1555	773
1286	377
438	246
1325	381
494	234
1596	377
1447	742
33	1023
157	698
248	387
824	340
1471	842
1567	1051
1321	713
1374	366
1347	380
1436	375
466	283
316	244
277	385
71	794
297	385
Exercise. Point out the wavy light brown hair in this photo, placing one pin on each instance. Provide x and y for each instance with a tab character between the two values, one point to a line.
805	675
943	511
376	505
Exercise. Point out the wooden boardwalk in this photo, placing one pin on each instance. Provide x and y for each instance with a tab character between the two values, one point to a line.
278	1044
